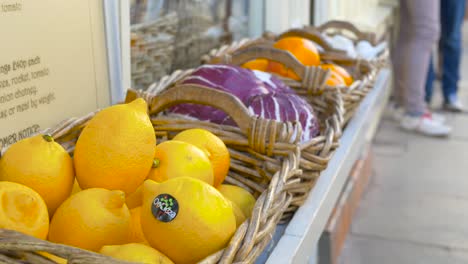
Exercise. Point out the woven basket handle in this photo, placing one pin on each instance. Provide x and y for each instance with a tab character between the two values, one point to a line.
311	34
284	57
192	93
347	61
219	55
345	25
313	78
261	133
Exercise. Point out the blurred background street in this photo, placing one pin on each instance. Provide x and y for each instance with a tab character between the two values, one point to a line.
415	209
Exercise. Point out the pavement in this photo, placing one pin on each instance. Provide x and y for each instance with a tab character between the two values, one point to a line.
415	209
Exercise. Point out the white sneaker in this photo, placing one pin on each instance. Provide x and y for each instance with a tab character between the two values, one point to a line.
397	113
425	124
437	117
454	105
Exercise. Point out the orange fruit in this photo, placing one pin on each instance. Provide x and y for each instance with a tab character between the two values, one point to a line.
41	164
335	80
348	79
136	235
115	150
186	219
303	49
23	210
135	252
278	68
91	219
214	147
175	158
257	64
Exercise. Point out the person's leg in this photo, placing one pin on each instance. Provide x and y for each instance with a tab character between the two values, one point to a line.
423	23
430	81
396	106
423	26
398	62
452	14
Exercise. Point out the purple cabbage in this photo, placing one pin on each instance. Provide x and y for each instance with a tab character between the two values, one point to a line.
264	95
286	107
272	83
235	80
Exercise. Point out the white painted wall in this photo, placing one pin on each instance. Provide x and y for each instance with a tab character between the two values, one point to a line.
256	18
343	9
369	15
281	15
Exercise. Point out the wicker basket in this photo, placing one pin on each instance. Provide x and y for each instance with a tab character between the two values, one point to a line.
198	32
175	40
329	105
363	72
264	160
192	41
152	50
348	29
317	36
314	157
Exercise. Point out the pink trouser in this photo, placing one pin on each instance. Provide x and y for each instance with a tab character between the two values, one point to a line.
419	32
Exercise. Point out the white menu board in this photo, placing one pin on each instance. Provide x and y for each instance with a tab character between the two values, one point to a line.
53	63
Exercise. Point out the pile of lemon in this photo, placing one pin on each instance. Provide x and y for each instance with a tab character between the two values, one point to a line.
121	194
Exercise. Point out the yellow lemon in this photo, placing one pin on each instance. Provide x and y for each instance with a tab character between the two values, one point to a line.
218	154
41	164
135	199
135	234
135	252
115	150
186	219
180	159
52	257
91	219
240	217
76	187
23	210
240	197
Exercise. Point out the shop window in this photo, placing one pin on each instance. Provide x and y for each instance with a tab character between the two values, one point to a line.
167	35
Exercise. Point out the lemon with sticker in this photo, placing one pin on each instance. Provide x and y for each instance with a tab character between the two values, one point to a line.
195	216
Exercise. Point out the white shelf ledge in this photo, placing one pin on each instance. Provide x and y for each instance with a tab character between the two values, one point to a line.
297	242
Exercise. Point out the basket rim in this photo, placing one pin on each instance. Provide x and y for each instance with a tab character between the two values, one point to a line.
247	243
315	153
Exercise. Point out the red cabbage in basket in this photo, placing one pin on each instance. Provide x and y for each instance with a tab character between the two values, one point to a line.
286	107
261	92
238	81
272	83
